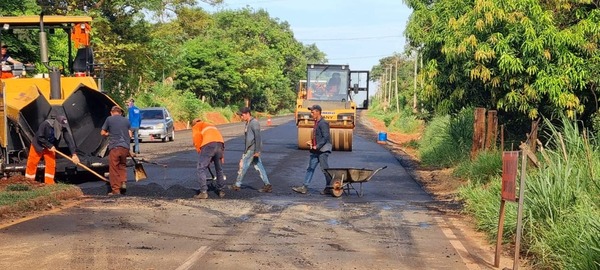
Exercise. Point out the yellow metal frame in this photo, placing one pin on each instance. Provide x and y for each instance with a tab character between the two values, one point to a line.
17	21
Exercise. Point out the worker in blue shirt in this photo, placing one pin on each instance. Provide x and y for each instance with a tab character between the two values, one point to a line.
135	120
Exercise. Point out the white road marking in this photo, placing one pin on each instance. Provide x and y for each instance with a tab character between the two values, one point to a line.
193	258
457	244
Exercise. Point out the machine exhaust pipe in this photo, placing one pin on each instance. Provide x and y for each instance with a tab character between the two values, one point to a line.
55	87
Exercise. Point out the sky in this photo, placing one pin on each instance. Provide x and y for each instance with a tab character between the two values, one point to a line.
357	33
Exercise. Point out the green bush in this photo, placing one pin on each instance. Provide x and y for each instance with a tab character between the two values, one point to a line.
183	105
447	141
405	123
484	168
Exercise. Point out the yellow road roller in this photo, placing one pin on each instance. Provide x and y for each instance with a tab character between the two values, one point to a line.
333	87
69	88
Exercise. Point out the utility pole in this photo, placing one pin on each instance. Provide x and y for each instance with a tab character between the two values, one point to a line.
390	86
415	84
396	83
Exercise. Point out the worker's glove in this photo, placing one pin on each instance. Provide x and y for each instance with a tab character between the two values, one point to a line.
75	159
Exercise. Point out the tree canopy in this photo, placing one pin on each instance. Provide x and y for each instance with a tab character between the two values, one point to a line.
224	57
521	56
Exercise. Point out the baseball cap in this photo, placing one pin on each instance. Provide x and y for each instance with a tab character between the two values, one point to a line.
315	107
116	108
131	100
243	110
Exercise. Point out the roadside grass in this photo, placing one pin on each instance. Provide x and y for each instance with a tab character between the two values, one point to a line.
404	122
486	167
561	223
19	194
447	141
561	206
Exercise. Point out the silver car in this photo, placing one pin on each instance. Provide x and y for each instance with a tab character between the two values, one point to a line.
157	124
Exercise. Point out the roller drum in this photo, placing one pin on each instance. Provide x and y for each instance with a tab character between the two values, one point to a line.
341	139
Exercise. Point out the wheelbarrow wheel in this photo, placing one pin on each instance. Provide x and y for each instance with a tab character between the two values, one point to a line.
337	188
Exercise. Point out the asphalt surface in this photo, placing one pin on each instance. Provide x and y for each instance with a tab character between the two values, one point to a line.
158	225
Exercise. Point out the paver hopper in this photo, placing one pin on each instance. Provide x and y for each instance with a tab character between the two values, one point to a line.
27	101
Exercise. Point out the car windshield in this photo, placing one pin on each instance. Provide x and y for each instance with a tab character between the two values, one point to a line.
152	114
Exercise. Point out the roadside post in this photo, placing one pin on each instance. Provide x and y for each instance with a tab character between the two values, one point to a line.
509	172
510	164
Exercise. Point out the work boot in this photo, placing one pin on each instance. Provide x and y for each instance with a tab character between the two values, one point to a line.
221	193
300	189
202	195
234	188
266	189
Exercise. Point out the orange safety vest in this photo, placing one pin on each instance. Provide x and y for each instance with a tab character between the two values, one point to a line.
204	133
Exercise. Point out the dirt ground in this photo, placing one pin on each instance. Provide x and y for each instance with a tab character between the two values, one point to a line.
19	179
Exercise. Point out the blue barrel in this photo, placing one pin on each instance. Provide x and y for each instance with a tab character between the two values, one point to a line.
382	137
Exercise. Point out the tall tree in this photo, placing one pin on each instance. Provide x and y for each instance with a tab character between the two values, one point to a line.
522	56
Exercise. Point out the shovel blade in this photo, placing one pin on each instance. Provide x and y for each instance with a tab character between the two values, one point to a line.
140	173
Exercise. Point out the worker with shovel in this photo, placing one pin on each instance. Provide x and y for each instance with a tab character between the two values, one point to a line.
47	137
117	129
210	146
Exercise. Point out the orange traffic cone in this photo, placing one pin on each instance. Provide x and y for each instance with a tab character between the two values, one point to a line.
268	120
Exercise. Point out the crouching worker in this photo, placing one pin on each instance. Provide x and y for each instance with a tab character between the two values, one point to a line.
47	137
210	146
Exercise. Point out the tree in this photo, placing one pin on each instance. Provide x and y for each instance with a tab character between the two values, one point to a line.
522	56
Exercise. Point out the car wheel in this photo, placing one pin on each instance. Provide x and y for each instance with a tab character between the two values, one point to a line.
172	137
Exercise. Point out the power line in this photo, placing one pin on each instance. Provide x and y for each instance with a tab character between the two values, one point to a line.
359	57
354	38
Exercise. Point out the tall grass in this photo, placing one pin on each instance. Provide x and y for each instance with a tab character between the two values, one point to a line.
486	167
447	141
561	204
404	122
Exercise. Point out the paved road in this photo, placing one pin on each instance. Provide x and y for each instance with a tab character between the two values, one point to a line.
158	225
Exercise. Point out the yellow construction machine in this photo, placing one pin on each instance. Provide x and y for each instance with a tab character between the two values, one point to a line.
333	87
70	89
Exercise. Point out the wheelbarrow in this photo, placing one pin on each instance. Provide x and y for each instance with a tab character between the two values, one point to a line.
343	178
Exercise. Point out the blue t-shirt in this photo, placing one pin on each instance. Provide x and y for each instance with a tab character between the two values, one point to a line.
135	117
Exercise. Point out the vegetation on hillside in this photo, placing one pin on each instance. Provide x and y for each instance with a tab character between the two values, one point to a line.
226	58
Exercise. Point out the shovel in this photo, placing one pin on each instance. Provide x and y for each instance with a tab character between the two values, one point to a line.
81	165
138	170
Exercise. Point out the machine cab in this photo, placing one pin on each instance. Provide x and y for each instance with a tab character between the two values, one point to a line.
328	82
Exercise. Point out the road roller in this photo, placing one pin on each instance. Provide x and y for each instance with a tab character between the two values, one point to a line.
69	87
333	88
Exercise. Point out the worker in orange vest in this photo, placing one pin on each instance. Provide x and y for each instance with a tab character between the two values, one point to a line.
210	146
47	137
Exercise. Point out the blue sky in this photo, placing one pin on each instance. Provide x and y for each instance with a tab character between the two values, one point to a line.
357	32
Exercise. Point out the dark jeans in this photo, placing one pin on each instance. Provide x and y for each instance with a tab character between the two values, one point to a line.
211	152
320	158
